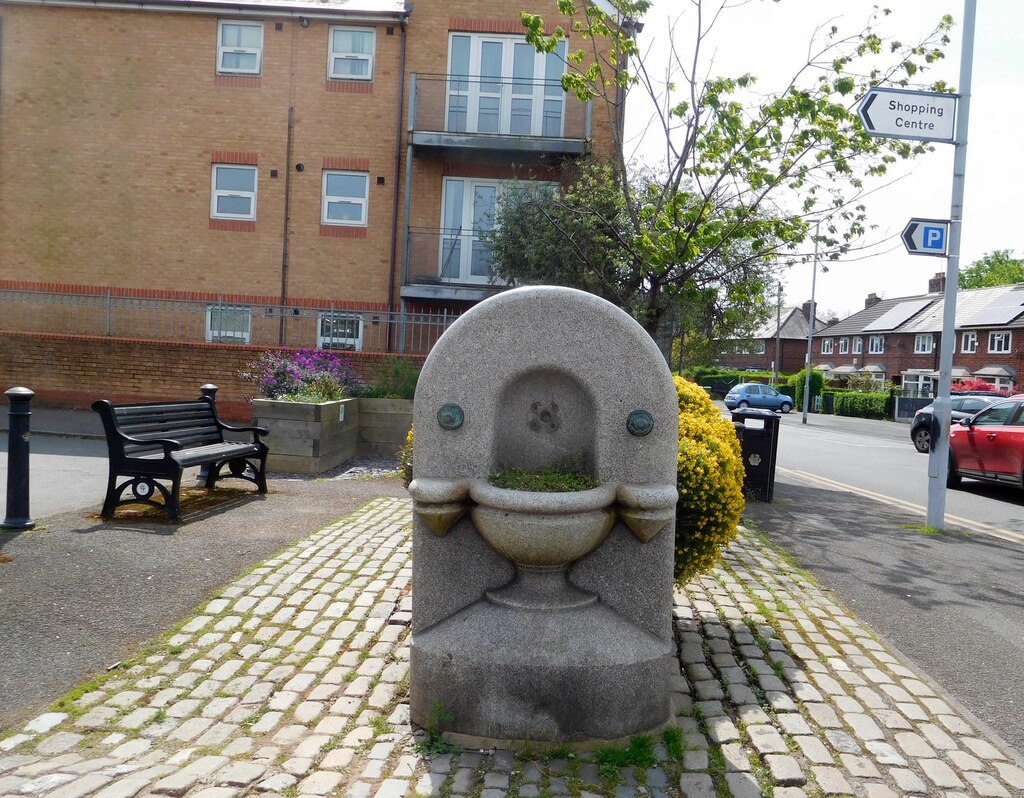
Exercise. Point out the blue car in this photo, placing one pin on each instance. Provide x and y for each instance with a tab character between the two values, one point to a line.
754	394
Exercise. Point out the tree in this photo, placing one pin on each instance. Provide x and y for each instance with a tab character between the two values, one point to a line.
744	175
994	268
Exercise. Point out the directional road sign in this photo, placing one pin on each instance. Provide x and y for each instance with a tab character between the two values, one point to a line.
902	114
926	237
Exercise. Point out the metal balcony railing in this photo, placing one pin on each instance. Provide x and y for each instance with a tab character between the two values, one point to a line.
465	110
327	326
449	257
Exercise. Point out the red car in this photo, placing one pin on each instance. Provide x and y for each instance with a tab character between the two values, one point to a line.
989	445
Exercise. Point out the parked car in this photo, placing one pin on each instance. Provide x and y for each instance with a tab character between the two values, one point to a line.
754	394
963	406
989	445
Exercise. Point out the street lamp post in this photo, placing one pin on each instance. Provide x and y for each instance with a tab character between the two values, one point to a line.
810	327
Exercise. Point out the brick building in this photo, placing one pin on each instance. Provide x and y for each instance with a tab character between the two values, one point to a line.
267	172
898	340
785	332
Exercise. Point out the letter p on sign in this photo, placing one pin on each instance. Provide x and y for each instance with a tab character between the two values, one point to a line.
934	239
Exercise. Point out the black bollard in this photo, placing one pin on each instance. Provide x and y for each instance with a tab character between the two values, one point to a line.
17	460
206	390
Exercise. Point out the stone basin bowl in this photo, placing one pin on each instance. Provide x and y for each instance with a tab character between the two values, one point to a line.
542	529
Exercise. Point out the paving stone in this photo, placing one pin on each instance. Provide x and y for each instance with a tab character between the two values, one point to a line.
43	723
874	789
814	749
885	753
694	785
217	792
722	730
983	749
793	723
939	773
124	788
1011	774
183	780
59	743
785	770
277	783
831	780
240	774
864	727
430	784
45	783
914	745
735	758
986	785
824	716
908	781
743	785
860	766
766	740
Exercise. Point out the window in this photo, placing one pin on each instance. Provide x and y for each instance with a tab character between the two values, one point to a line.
923	344
234	192
996	415
999	342
467	217
844	345
876	344
240	48
228	324
917	385
339	331
345	198
351	54
826	346
501	84
758	347
858	346
969	342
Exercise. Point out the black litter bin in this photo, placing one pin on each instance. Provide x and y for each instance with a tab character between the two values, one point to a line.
758	431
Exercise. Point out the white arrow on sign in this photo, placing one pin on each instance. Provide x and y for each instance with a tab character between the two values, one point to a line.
926	236
902	114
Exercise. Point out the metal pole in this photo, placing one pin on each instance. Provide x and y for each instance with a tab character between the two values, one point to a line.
776	362
17	460
810	327
206	390
938	459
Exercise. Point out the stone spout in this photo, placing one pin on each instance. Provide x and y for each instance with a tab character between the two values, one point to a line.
440	503
647	509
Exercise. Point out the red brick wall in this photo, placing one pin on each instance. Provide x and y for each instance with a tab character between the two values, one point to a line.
68	371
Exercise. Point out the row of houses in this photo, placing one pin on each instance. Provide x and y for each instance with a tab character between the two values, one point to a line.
898	340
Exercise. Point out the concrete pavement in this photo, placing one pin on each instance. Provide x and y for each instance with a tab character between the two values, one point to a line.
292	680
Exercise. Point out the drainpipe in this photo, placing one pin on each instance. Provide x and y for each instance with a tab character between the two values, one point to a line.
397	175
284	242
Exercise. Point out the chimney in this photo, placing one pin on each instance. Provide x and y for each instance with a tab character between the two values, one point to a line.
873	299
937	284
806	310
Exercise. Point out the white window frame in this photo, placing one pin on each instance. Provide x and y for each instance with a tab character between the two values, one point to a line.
333	54
826	346
216	193
220	336
1004	337
759	347
1003	383
876	345
844	346
329	340
923	384
858	345
363	203
468	93
924	344
222	50
969	343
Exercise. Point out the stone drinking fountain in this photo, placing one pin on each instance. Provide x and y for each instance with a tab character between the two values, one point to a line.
543	617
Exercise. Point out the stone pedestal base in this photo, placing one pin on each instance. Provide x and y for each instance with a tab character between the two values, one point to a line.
564	675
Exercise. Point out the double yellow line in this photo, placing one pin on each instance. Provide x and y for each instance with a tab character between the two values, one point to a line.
964	523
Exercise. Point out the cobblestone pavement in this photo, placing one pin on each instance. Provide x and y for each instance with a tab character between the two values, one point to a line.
293	682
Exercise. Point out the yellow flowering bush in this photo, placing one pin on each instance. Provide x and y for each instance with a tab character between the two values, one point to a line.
710	481
405	459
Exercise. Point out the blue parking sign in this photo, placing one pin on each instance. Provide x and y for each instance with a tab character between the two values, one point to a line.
933	238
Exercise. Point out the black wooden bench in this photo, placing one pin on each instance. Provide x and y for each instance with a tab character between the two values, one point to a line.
158	441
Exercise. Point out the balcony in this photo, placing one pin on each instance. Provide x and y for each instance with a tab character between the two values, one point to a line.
448	264
497	115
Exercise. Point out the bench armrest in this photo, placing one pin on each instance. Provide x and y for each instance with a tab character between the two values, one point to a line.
256	431
168	444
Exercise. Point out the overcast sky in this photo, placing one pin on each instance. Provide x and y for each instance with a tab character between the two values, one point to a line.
770	39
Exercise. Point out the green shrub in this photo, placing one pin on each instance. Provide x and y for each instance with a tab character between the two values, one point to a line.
862	405
394	378
797	381
710	481
551	479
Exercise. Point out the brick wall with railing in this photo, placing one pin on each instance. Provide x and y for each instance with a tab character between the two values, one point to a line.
74	371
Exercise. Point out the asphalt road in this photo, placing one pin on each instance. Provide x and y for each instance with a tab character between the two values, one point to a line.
65	473
951	603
